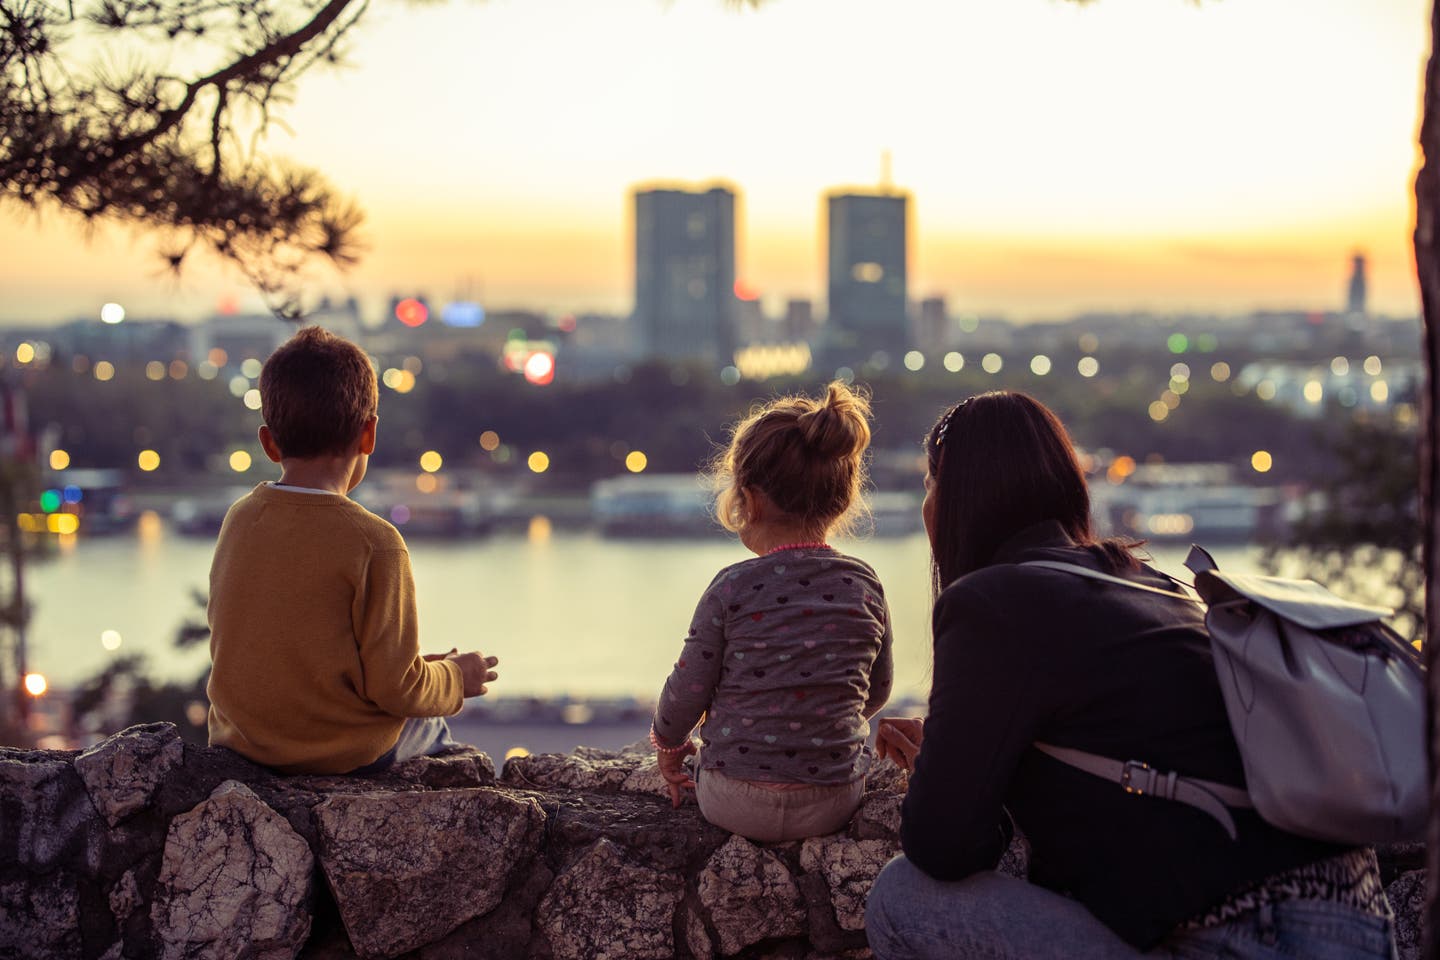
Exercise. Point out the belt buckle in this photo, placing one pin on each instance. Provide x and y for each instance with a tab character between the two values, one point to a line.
1129	772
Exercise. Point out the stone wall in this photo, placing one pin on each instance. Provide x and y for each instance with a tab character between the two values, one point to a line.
144	846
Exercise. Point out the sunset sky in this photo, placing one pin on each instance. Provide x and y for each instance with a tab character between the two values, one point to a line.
1124	154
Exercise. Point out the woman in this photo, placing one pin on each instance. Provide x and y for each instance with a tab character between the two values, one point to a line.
1027	655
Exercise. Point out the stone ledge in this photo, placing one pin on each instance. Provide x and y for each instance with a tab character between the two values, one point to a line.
143	846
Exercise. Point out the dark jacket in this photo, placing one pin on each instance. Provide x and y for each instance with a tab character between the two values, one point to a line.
1028	654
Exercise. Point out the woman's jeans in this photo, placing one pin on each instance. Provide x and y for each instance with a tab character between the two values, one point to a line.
910	916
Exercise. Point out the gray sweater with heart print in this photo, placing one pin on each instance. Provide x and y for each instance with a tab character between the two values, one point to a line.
786	660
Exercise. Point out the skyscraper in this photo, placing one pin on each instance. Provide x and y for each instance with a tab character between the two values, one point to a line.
685	273
868	269
1355	302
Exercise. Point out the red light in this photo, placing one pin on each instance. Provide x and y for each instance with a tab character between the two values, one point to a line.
540	368
229	305
567	323
411	312
743	291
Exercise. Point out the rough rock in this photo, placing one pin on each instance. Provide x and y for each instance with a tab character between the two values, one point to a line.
40	918
468	768
600	774
646	779
750	895
886	777
236	880
406	869
124	897
878	817
849	868
123	772
46	817
696	938
1015	861
1407	898
605	908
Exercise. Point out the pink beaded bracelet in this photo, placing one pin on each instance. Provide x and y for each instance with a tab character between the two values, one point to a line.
655	742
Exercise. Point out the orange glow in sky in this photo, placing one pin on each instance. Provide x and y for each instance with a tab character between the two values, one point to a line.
1117	155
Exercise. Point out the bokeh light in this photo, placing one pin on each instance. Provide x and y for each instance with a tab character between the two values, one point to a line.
427	483
111	639
538	462
252	399
991	363
1178	343
24	353
240	461
1314	391
1180	371
1340	366
1040	365
50	501
430	461
251	367
914	361
217	356
104	370
148	460
112	313
1372	366
178	369
1220	372
154	370
65	524
489	440
1088	366
35	684
954	361
207	370
1261	461
238	385
1089	343
1265	390
1159	411
411	312
540	529
730	376
635	461
1379	391
59	459
540	368
400	515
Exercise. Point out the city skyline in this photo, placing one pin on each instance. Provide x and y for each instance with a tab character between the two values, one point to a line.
1126	155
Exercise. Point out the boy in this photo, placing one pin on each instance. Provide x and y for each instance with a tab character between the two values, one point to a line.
316	665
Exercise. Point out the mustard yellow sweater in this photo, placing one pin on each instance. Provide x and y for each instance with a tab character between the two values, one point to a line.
313	637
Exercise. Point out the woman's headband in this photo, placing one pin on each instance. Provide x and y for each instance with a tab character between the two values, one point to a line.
945	422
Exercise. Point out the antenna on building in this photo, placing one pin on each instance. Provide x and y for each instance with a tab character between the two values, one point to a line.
885	183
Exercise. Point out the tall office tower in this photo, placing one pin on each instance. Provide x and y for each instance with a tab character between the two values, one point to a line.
685	273
799	321
932	328
868	270
1356	300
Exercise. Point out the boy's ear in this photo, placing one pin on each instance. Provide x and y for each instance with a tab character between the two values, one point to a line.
367	436
268	444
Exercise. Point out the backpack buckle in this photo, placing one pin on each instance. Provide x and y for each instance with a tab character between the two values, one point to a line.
1133	769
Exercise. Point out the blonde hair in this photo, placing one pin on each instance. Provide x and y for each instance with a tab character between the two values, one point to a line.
807	456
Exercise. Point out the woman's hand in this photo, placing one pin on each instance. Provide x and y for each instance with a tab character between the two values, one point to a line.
672	768
899	739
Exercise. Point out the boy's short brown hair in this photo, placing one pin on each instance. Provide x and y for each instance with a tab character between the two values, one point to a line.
317	391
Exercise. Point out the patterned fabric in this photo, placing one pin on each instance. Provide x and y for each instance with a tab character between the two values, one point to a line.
1351	879
787	658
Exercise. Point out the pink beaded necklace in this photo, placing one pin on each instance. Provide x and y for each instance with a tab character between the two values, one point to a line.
816	545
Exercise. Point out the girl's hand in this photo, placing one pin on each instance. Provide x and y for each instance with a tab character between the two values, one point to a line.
899	739
672	768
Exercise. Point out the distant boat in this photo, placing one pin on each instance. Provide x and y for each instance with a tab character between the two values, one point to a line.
653	505
1176	506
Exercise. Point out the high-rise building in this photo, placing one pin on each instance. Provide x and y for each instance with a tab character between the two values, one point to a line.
799	321
868	270
1355	302
685	273
932	327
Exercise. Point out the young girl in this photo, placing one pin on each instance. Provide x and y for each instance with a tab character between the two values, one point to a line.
788	656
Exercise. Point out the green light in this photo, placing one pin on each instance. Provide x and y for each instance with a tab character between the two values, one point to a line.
1178	343
517	333
1207	342
50	501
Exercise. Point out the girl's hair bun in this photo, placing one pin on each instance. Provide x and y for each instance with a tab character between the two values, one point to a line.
839	425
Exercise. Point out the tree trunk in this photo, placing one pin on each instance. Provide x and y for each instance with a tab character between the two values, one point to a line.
1427	263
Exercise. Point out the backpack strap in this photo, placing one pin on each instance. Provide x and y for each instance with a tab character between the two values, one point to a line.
1080	571
1142	779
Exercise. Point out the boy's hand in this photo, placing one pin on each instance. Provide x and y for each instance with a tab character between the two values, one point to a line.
899	739
475	671
672	768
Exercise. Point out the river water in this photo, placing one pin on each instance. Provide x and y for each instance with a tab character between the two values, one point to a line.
567	613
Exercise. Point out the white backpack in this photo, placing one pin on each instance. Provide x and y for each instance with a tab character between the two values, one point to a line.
1326	702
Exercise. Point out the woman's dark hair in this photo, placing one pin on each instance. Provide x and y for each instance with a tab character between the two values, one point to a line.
1002	462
